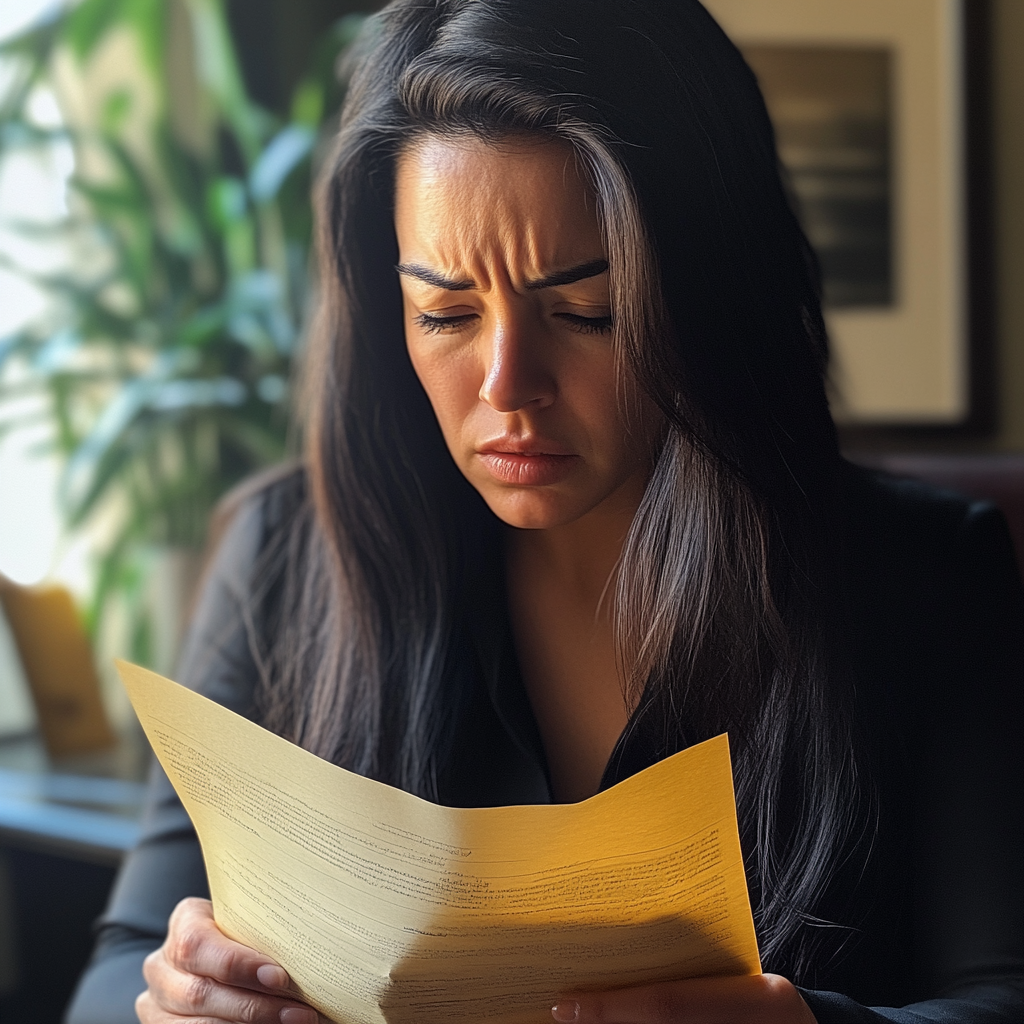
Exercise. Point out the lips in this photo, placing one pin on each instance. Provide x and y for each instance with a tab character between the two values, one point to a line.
526	462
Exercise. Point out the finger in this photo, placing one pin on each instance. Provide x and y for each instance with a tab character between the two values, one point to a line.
179	997
761	999
195	945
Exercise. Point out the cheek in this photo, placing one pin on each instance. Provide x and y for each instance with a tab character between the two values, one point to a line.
623	428
592	391
452	382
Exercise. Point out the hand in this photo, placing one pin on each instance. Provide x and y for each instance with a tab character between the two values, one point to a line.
200	976
761	999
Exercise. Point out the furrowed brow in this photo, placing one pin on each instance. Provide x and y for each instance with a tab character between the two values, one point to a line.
437	279
592	268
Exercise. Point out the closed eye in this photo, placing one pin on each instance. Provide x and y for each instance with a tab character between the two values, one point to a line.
586	324
430	323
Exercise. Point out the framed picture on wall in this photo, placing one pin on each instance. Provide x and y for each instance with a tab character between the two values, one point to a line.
880	128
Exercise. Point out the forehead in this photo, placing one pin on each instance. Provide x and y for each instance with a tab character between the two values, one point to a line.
456	196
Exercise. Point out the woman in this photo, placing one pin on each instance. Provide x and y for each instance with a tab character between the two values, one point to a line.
573	500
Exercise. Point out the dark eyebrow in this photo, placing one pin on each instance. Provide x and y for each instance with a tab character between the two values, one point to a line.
578	273
433	277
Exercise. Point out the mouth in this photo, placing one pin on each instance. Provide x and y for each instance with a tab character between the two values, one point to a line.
526	463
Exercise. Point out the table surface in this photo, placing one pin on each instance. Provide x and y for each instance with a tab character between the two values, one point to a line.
85	807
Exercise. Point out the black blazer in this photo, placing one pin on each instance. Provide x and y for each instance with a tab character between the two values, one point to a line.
936	640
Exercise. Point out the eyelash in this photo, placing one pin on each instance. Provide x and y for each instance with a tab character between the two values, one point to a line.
587	324
442	324
450	324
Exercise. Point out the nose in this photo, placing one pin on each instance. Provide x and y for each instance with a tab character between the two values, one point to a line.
516	372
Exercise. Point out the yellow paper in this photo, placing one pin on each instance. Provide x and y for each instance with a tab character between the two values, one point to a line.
386	907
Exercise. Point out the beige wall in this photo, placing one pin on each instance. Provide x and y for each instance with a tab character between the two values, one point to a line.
1008	75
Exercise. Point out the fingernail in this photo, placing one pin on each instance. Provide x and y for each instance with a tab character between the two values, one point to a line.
272	976
298	1015
566	1012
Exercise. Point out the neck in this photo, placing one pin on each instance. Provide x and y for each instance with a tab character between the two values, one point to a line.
560	583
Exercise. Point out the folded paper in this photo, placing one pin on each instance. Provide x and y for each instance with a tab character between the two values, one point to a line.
385	907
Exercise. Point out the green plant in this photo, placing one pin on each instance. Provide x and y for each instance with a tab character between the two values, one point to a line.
167	362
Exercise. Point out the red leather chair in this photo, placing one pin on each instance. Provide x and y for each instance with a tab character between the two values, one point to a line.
998	478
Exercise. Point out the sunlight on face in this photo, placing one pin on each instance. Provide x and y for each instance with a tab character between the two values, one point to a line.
508	324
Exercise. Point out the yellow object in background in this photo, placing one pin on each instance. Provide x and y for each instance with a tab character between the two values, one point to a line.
387	909
17	712
58	663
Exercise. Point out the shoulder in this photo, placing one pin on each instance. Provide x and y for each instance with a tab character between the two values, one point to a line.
930	578
893	523
248	537
923	566
246	519
885	506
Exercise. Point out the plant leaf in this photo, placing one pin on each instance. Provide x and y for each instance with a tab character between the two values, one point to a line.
285	152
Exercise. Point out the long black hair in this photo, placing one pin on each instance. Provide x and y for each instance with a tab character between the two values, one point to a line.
726	598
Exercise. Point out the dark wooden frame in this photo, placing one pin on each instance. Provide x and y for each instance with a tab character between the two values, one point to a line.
982	418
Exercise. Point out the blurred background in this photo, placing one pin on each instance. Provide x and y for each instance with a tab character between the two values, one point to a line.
155	287
155	168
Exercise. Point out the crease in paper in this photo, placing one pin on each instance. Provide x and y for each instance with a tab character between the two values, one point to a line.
385	907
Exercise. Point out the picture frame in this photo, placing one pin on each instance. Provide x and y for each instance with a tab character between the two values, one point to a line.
881	112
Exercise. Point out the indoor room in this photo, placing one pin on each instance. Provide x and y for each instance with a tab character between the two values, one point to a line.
504	417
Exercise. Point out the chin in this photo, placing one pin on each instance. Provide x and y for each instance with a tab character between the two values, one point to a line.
532	510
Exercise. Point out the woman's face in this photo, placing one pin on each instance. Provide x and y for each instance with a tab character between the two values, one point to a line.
508	325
